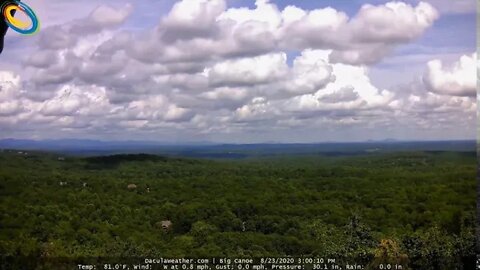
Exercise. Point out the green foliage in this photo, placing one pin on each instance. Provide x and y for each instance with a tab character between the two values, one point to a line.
417	206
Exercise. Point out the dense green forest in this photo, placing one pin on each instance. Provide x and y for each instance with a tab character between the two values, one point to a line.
417	208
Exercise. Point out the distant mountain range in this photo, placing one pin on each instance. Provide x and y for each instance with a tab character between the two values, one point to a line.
80	143
209	149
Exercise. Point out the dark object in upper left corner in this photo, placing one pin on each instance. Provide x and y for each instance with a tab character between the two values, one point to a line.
3	24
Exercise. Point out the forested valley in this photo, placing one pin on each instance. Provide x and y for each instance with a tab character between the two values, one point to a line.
417	208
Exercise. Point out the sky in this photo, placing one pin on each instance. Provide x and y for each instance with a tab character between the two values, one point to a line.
242	71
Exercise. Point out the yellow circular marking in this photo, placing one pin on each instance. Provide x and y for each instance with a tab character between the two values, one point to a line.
18	23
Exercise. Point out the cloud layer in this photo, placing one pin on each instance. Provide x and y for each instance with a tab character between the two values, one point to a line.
207	71
459	80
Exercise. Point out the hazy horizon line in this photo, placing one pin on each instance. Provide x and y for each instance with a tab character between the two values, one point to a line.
238	143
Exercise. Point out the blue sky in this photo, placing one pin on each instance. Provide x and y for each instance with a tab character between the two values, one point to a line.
453	34
242	71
